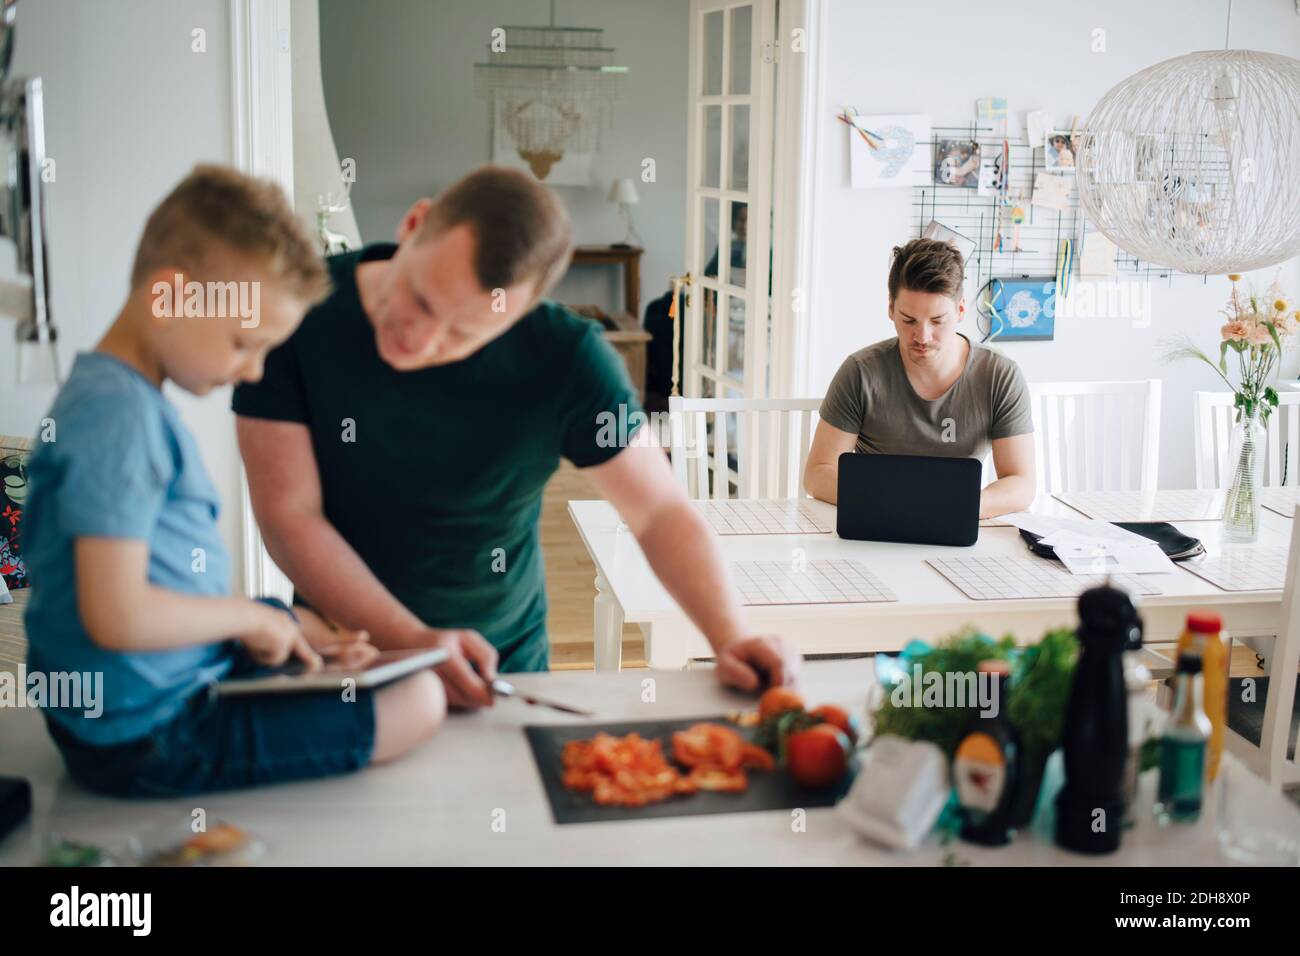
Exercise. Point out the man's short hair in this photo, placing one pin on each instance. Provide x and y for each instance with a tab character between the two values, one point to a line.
927	265
216	211
521	228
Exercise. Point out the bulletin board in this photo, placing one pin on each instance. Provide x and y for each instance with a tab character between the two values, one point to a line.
1033	247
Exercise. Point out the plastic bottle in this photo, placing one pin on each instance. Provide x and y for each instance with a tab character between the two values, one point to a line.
1136	679
1203	637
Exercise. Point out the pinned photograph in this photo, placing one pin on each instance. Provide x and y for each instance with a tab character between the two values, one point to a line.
957	163
1060	152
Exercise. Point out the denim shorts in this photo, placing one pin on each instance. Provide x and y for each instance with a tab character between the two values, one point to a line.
225	743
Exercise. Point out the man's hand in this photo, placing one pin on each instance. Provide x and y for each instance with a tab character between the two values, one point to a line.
755	663
465	688
272	637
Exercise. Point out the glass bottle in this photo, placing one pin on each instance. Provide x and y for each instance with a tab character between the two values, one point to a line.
1182	749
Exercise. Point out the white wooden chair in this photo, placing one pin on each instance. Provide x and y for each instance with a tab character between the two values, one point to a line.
760	446
1269	759
1212	419
1096	436
1213	416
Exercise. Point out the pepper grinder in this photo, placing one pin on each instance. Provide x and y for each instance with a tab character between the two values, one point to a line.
1090	807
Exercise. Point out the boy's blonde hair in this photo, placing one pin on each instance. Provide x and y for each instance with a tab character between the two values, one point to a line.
216	206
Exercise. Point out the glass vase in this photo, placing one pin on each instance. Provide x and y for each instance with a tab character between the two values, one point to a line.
1246	459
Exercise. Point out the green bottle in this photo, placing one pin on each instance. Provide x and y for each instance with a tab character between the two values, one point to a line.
1182	749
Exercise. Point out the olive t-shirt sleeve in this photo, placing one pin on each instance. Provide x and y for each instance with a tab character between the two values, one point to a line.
279	395
598	385
845	405
1012	412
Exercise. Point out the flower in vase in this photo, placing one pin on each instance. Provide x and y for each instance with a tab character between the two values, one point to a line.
1260	334
1236	330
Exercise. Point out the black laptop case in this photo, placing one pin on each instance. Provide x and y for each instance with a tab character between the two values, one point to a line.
1176	545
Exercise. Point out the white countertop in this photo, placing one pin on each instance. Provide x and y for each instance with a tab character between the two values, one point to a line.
437	805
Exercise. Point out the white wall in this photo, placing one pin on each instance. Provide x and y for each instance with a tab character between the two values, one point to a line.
315	158
399	88
129	108
938	57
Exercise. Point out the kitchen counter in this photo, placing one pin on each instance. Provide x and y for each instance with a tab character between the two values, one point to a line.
439	805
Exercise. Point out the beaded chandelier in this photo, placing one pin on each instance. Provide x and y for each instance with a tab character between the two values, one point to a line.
553	88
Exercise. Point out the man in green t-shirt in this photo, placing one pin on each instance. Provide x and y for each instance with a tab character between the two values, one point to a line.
398	443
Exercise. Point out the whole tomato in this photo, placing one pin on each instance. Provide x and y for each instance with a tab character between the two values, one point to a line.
837	717
818	757
777	701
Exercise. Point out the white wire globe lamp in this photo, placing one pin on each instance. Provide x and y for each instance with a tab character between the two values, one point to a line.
1194	163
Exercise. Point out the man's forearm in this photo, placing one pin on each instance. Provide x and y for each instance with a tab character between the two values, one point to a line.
329	573
1006	495
685	556
821	482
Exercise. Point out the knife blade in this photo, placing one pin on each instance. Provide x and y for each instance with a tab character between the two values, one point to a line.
506	689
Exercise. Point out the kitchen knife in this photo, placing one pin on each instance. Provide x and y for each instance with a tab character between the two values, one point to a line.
506	689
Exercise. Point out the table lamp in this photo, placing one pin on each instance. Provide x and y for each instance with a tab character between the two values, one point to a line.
623	192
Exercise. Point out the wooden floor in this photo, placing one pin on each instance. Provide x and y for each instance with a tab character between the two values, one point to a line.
13	645
571	577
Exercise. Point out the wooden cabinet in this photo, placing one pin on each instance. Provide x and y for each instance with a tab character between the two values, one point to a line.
622	328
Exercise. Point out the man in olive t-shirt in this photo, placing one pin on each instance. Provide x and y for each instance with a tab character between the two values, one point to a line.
398	444
930	390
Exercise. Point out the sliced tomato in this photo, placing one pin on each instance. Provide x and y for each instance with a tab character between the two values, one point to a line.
620	771
752	755
720	781
708	745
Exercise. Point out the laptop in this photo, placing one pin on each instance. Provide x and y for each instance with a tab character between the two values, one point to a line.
909	499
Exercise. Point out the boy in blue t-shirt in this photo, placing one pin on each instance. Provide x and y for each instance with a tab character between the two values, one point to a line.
131	581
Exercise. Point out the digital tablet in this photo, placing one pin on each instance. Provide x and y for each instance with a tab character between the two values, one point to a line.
290	679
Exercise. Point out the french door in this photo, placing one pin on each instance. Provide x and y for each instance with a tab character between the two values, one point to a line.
731	111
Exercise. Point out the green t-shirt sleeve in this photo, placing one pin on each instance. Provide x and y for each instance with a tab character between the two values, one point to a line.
598	385
1012	412
845	405
279	395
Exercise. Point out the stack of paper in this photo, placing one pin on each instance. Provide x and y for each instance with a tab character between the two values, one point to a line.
1094	547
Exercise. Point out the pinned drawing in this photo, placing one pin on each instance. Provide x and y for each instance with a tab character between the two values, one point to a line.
886	151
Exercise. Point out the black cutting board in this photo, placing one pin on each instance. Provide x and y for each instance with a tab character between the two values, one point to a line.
768	789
